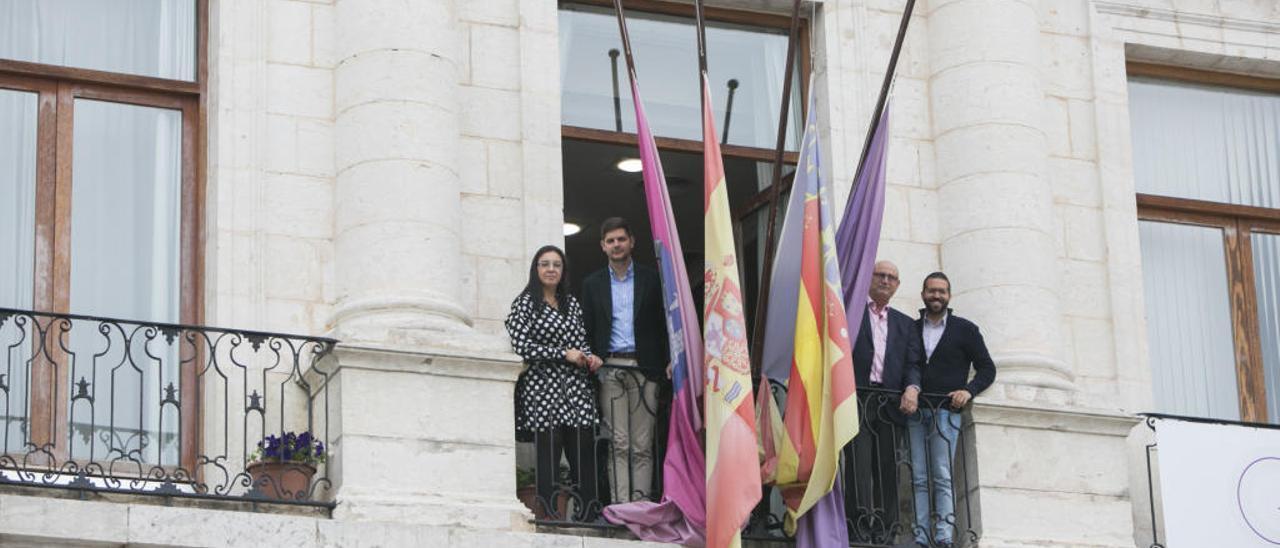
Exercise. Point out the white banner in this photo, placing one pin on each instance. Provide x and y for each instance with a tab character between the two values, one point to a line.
1220	484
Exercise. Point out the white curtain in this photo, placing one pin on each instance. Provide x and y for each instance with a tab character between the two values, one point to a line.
1205	142
17	255
1266	279
146	37
17	197
125	259
1189	329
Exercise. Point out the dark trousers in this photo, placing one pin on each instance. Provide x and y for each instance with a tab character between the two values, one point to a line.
871	471
578	446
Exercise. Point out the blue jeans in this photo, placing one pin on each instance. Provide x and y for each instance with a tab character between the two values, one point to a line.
933	435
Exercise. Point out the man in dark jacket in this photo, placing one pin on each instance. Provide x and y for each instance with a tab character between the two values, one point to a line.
886	367
952	346
622	309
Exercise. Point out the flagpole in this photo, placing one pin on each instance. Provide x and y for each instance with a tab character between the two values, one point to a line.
766	273
884	86
626	38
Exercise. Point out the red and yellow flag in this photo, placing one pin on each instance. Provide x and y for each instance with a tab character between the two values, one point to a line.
733	474
821	413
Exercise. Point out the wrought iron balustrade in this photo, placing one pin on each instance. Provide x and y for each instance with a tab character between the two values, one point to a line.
121	406
605	472
882	490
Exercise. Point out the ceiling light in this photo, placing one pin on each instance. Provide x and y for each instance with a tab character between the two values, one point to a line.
570	229
630	165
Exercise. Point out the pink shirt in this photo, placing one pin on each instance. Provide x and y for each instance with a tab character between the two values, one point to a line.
878	317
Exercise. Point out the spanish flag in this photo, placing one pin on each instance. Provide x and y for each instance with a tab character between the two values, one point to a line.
733	476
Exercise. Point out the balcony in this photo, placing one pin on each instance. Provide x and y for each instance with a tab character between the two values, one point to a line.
103	406
882	491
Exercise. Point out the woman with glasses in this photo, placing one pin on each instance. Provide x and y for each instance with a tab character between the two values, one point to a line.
555	397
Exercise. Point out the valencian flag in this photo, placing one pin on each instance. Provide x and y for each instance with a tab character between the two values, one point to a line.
733	473
821	414
681	515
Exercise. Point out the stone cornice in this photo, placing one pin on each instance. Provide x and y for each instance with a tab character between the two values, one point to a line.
1126	9
1021	415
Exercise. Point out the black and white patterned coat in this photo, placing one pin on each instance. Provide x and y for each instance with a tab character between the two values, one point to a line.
551	392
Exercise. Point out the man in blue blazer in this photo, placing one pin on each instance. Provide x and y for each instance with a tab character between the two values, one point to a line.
622	309
953	346
886	366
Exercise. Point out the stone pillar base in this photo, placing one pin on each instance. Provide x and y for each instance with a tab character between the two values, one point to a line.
424	436
1052	477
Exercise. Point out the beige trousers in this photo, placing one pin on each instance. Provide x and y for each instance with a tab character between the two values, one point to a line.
630	404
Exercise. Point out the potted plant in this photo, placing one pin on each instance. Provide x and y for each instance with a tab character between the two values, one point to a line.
282	466
526	491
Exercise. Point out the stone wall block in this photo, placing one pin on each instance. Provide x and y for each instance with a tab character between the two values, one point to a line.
897	214
1022	518
288	32
491	113
394	131
977	256
1067	69
315	147
464	418
493	226
1084	230
299	91
503	279
1052	460
985	93
1083	140
1086	282
490	12
988	148
506	168
474	154
281	144
1024	201
292	268
324	36
495	56
1074	182
302	206
924	215
388	249
1057	127
41	518
420	26
1010	33
1094	346
1070	17
404	76
165	526
416	184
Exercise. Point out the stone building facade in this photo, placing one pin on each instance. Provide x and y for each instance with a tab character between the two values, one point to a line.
380	170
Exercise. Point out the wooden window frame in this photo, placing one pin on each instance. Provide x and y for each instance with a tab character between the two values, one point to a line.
1238	223
57	87
722	15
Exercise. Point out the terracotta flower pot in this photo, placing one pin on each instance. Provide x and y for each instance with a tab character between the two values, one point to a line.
282	480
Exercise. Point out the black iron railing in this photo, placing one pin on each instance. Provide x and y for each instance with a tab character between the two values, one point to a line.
906	478
120	406
620	460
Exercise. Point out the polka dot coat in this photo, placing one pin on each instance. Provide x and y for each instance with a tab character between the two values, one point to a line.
551	392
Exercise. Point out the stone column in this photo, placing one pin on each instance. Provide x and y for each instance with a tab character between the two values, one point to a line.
995	203
419	409
397	104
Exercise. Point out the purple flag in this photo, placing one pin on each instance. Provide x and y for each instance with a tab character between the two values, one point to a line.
681	515
858	237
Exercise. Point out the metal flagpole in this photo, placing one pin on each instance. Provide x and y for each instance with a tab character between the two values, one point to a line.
766	273
884	86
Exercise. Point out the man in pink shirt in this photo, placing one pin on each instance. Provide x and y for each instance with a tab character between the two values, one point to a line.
887	356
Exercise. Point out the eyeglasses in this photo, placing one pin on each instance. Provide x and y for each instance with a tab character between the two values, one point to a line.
548	264
885	276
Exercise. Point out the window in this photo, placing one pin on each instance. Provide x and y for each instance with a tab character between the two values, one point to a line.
746	61
100	210
1206	152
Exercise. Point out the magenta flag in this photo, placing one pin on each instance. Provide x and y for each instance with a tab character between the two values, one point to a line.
680	516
